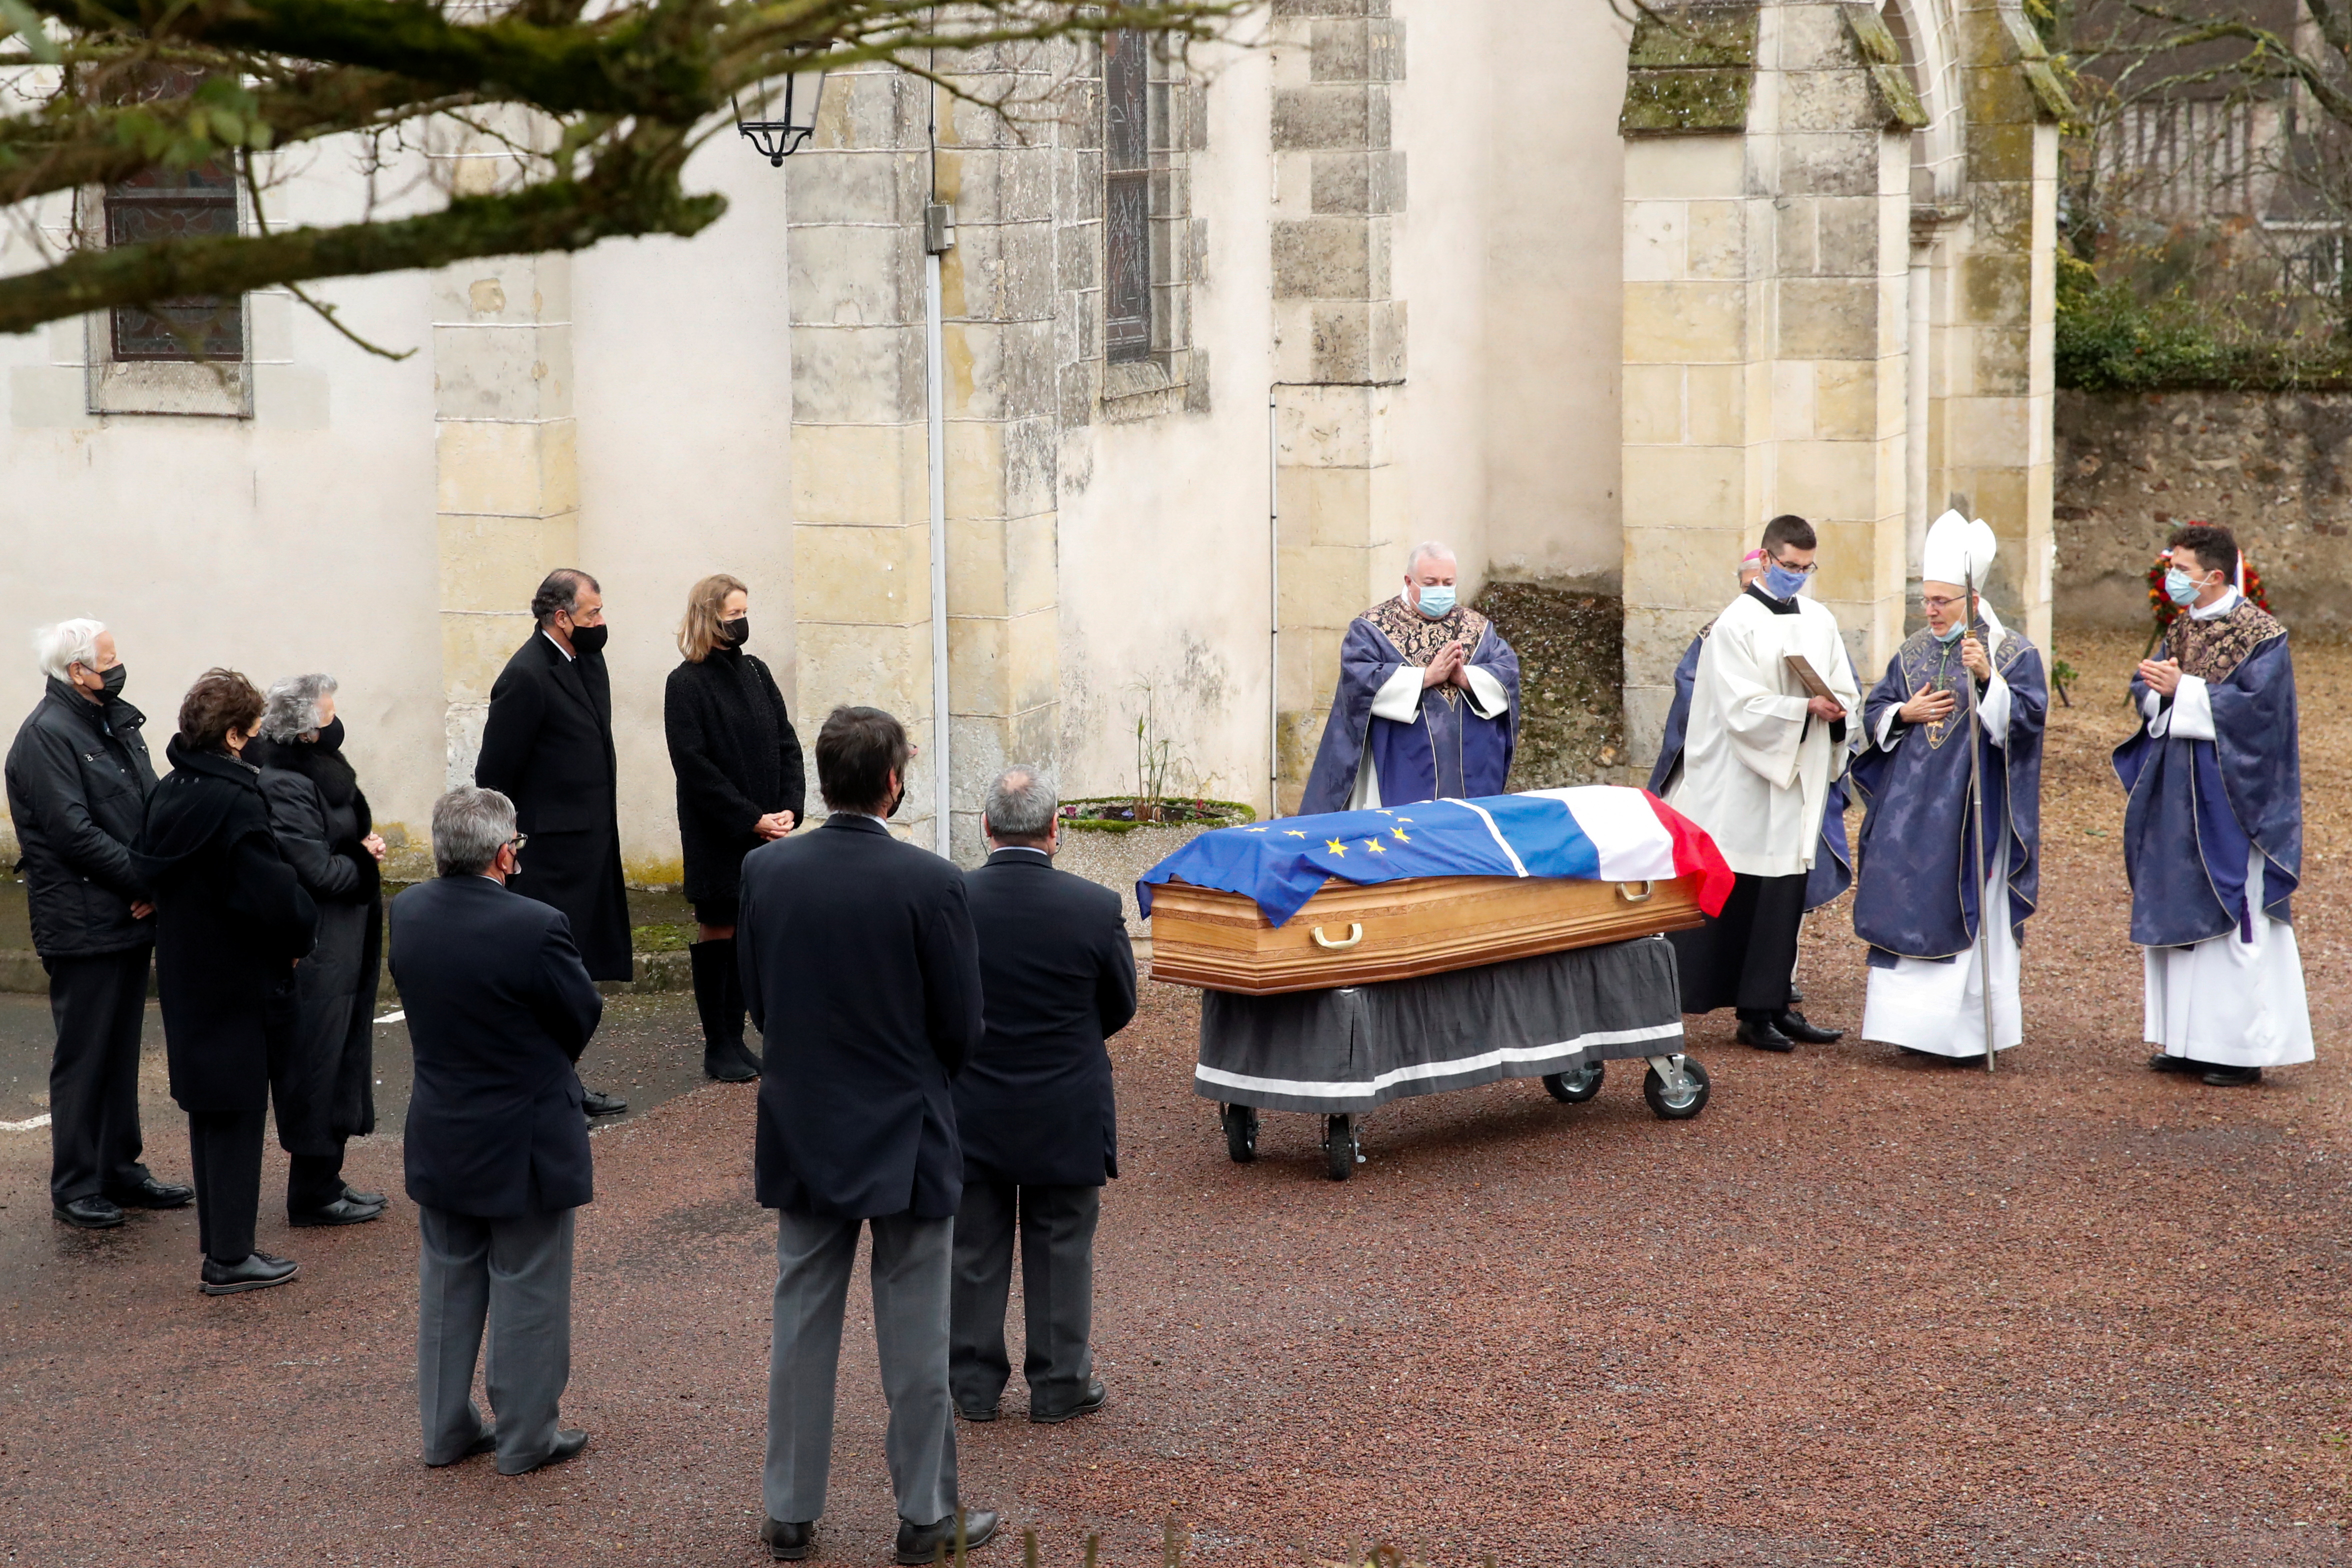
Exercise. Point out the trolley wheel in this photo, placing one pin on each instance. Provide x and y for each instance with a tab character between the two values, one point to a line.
1683	1105
1340	1146
1574	1088
1241	1131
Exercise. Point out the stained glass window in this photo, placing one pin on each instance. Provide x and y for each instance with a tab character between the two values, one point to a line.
1127	196
176	204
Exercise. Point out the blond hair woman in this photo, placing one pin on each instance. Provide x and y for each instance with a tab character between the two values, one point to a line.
738	785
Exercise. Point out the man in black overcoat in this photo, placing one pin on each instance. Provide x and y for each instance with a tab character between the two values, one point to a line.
547	745
861	969
78	778
499	1008
1036	1111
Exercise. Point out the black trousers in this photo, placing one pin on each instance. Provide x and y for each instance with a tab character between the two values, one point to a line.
224	1153
1056	1227
98	1005
1744	957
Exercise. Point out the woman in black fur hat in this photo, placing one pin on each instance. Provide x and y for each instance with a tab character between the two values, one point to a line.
322	1062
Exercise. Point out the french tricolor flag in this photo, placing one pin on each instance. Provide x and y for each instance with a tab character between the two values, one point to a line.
1595	832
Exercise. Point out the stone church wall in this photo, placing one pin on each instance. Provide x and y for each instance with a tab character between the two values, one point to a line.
2270	467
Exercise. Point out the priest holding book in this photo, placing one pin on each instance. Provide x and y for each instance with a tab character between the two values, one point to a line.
2213	836
1767	738
1924	883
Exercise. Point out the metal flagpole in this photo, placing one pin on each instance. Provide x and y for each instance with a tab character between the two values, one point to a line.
1977	809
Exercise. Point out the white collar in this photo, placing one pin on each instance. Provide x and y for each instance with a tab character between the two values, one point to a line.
569	657
1023	848
2218	608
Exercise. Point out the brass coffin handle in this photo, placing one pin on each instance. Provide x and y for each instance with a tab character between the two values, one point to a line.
1355	935
1625	892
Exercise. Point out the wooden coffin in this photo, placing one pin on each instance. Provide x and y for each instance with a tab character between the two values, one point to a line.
1350	936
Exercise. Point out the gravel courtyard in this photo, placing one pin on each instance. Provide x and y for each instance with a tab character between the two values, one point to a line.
1866	1309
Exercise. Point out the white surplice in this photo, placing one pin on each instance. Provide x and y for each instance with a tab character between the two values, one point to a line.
1756	766
1939	1007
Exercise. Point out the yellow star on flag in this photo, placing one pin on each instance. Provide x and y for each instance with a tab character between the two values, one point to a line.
1374	845
1401	836
1294	833
1336	847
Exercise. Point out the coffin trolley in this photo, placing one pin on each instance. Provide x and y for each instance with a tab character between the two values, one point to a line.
1360	957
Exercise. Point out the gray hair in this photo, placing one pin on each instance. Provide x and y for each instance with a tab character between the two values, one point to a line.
1021	805
558	594
67	643
470	827
290	708
1428	550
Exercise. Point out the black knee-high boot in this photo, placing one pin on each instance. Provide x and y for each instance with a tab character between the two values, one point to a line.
737	1011
724	1057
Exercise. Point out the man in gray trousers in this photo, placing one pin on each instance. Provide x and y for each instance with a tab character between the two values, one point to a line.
862	971
499	1008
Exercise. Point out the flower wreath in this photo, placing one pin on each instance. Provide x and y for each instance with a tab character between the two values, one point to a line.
2165	609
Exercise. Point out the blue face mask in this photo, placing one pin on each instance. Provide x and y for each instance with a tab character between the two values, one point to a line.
1437	603
1782	583
1952	633
2178	588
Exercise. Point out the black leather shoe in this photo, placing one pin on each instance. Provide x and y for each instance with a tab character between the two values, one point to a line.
1792	1023
342	1211
374	1200
789	1542
1096	1397
92	1212
2165	1061
568	1442
970	1413
1795	996
257	1272
486	1444
728	1063
596	1104
1762	1034
921	1543
2232	1078
152	1193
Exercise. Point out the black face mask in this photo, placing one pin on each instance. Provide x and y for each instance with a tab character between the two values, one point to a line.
588	640
112	680
737	632
330	735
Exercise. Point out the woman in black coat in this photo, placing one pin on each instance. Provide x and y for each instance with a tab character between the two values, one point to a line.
320	1075
231	922
738	785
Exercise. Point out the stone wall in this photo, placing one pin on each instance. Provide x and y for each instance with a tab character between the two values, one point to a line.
2270	467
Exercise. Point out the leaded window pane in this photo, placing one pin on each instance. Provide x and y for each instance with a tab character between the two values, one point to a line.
1127	204
176	204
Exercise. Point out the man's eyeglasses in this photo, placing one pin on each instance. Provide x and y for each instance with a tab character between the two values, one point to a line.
1807	570
1938	604
517	842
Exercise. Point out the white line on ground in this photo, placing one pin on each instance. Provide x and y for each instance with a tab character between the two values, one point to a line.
394	1018
34	1125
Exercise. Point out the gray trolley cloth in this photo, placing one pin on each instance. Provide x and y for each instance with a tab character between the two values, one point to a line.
1332	1052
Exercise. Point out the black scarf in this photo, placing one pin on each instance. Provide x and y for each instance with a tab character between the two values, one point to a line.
321	761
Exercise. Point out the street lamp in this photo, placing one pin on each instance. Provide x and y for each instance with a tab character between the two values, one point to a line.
780	139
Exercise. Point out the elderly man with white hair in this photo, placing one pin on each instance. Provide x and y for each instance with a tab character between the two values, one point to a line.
1428	705
78	778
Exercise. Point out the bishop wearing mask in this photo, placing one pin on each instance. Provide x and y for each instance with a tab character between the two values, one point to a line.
2214	835
1428	705
1919	901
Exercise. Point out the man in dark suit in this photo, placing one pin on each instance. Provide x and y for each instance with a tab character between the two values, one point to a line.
863	975
1035	1110
499	1008
547	745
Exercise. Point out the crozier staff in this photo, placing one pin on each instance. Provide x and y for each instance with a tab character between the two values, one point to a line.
1428	705
2213	836
1757	769
1918	903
